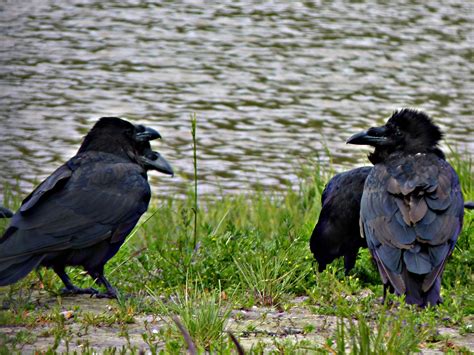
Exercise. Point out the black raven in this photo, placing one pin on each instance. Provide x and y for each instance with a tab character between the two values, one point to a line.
81	214
5	212
337	232
412	207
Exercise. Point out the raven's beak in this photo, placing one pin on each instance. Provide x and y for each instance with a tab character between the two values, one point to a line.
145	134
154	161
374	136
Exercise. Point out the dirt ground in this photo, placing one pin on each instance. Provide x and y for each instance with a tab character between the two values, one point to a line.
257	324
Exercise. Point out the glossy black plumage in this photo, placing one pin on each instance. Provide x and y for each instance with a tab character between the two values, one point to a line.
411	207
81	214
5	212
337	232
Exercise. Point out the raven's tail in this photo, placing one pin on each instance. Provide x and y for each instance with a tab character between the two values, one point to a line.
19	255
13	270
415	293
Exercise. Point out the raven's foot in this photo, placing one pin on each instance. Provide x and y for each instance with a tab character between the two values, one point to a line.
78	291
110	295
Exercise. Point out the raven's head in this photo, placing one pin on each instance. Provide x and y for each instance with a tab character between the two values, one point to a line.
120	137
111	133
408	131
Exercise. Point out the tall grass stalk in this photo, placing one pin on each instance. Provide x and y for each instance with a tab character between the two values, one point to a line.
195	208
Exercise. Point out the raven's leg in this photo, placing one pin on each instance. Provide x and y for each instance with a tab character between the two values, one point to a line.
322	266
99	278
387	287
70	289
350	260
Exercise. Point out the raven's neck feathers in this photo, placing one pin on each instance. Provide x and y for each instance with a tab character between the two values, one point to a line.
380	156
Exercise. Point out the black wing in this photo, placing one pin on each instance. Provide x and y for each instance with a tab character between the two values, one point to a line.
337	230
85	201
412	211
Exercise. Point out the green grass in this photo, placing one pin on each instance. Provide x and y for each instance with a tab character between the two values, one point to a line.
388	335
202	314
240	251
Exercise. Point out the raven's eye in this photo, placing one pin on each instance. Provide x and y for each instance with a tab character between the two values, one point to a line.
153	156
398	133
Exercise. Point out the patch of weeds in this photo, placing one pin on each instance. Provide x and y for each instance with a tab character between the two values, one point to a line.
389	335
120	315
12	318
16	342
286	346
269	274
308	328
87	349
17	299
467	329
97	319
202	314
336	294
58	329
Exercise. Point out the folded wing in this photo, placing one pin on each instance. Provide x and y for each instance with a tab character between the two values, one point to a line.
93	197
411	213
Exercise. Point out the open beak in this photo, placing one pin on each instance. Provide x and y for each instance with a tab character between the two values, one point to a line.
145	134
374	136
154	161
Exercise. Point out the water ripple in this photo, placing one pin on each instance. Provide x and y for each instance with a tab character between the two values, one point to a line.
272	83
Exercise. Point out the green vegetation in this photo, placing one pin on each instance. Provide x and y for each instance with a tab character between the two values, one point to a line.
202	271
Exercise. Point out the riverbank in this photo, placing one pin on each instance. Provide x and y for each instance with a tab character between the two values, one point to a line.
245	268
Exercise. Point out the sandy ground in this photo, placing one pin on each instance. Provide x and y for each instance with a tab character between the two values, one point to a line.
258	324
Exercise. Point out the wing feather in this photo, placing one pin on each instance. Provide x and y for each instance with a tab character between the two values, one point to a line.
98	198
61	175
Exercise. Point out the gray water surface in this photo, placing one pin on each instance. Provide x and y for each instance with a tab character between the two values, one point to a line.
273	83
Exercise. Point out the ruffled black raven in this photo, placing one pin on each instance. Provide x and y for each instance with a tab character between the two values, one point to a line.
412	207
337	232
81	214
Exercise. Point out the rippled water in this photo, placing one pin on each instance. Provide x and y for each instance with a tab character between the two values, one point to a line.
272	83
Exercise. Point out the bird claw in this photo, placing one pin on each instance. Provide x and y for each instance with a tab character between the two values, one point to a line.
79	291
104	295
